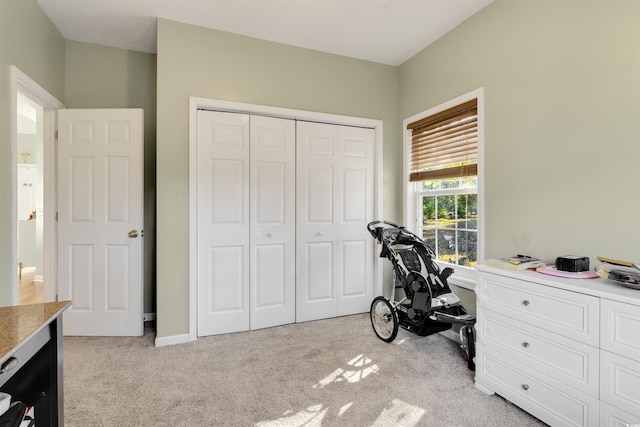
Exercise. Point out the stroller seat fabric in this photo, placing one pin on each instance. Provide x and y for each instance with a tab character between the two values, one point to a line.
411	260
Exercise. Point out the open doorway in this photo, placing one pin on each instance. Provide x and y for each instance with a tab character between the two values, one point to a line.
30	199
34	113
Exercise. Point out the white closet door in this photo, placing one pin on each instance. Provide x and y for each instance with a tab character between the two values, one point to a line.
356	164
335	201
223	222
272	195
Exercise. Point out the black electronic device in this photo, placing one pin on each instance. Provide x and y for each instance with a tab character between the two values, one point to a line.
572	263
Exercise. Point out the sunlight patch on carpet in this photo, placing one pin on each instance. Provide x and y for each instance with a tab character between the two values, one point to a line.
344	409
363	368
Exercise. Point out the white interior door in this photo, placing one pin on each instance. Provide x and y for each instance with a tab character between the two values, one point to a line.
100	218
223	222
335	201
272	204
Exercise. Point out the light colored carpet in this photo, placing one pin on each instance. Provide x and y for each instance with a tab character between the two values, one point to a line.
333	372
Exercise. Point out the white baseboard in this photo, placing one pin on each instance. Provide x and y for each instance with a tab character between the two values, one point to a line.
148	317
172	340
39	279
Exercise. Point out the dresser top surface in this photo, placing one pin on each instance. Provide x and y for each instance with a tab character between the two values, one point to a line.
597	287
18	323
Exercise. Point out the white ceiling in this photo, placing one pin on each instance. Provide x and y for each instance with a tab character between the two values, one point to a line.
384	31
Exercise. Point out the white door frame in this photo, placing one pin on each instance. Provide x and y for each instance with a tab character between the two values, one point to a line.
23	83
196	103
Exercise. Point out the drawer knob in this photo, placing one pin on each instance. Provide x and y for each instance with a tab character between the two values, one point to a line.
525	387
526	302
525	344
10	364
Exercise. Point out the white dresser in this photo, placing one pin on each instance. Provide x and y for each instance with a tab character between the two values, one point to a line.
565	350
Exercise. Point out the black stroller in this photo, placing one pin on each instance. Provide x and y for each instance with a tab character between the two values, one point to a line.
428	305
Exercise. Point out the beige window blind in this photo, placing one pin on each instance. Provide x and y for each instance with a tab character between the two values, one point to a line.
445	145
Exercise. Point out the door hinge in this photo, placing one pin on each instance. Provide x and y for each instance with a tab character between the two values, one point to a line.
55	134
56	216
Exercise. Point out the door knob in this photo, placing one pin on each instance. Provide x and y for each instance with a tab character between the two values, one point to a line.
133	234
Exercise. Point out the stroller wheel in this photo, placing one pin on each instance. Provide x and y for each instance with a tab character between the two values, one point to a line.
467	334
384	319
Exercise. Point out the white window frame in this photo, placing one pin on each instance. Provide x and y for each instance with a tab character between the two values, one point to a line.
463	277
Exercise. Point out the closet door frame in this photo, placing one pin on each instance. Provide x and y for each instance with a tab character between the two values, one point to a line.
196	103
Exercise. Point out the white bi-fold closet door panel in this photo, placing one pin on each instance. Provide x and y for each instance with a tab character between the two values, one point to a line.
335	201
246	222
272	271
257	266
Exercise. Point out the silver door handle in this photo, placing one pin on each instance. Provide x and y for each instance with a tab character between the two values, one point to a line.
133	234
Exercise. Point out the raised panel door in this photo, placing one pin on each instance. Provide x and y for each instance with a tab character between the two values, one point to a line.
272	223
99	203
356	177
335	201
317	200
223	222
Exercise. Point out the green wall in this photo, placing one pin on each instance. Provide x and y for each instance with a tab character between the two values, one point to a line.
562	83
194	61
105	77
29	41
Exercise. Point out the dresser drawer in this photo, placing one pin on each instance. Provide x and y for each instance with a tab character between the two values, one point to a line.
620	382
614	417
570	314
620	330
521	385
20	357
549	354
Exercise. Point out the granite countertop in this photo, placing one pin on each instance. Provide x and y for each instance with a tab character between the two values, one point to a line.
18	323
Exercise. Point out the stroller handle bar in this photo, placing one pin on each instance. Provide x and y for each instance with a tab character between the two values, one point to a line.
377	227
386	232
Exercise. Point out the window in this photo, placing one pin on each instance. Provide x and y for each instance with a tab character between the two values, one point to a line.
442	157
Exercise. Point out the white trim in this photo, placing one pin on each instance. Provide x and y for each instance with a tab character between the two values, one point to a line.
287	113
172	340
23	83
196	103
148	317
466	276
50	203
32	89
463	282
